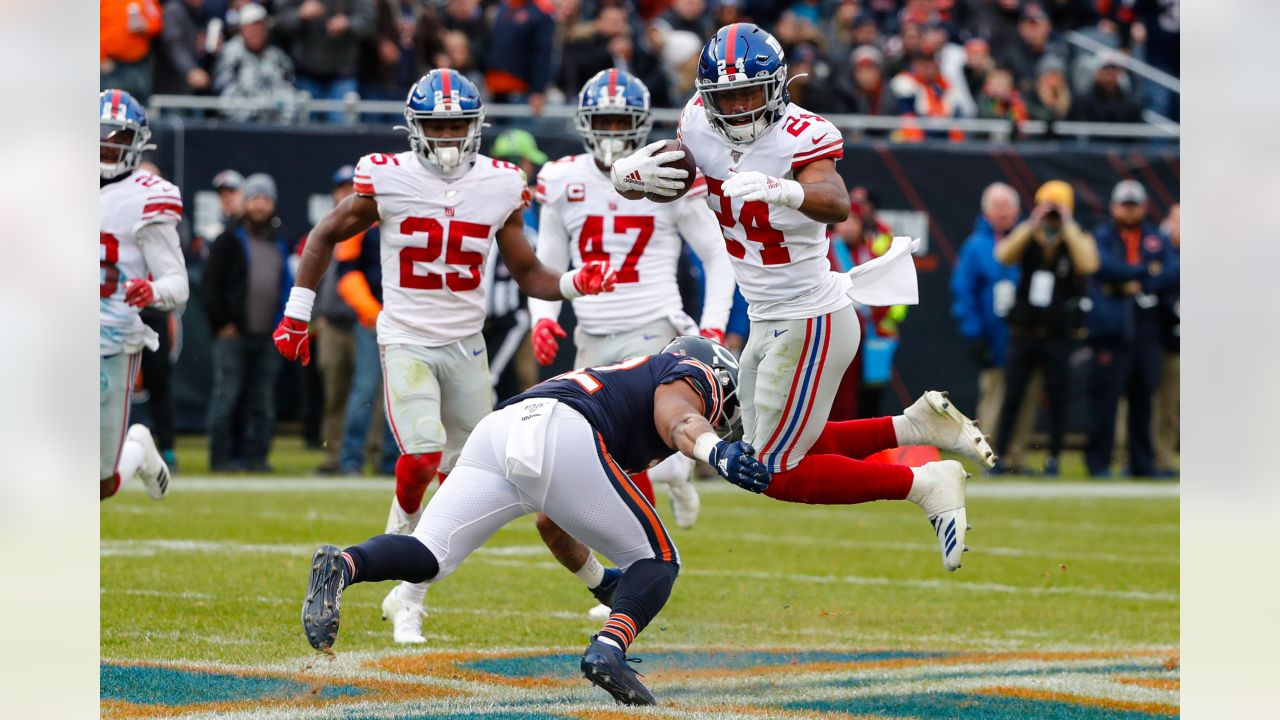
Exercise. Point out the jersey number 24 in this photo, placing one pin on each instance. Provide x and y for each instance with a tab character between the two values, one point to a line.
754	219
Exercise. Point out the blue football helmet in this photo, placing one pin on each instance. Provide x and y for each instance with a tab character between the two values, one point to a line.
742	56
123	134
444	94
613	92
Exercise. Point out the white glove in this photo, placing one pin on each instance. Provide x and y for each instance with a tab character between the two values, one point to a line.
752	185
643	171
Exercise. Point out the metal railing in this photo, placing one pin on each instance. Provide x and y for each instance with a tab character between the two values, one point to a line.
300	106
1137	67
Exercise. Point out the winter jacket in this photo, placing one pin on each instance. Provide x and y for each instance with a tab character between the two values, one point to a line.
1118	314
226	278
973	292
318	54
521	42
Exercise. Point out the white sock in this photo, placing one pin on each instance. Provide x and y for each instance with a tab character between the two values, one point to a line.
610	641
412	593
131	456
675	469
591	572
905	431
919	487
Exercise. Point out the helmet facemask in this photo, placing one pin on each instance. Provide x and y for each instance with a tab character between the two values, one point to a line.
445	152
609	145
120	147
731	125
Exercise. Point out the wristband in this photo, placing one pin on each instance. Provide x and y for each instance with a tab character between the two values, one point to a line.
299	305
792	193
703	446
567	288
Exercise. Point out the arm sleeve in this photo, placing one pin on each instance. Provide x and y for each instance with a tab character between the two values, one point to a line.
818	140
964	295
701	230
553	251
171	37
364	177
700	378
1112	268
163	253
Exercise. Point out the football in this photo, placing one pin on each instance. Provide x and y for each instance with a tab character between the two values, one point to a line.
686	163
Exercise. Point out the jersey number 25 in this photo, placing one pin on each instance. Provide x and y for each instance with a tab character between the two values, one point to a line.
453	255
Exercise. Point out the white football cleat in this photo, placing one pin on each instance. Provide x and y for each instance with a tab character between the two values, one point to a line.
939	423
400	522
599	612
406	618
153	471
938	488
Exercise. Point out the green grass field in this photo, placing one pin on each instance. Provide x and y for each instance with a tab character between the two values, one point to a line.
1067	607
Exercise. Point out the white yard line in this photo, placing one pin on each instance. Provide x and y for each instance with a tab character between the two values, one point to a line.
1015	490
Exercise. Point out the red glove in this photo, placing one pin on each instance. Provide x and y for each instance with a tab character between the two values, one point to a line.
138	293
292	340
545	347
712	334
595	277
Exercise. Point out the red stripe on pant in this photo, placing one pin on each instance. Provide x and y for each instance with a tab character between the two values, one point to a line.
830	474
791	394
813	392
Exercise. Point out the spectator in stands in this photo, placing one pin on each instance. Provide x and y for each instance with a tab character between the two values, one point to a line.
862	88
680	51
1168	394
689	16
124	45
1107	101
951	64
1052	98
249	68
1159	20
923	92
842	30
902	49
1138	270
325	38
999	99
181	60
977	63
406	41
230	187
520	51
246	283
995	20
466	17
809	73
727	12
982	291
1033	45
335	344
1054	258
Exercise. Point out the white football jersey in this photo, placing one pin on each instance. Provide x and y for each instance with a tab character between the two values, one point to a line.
779	255
639	238
124	208
436	236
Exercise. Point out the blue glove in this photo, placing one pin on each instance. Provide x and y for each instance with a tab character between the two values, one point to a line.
736	462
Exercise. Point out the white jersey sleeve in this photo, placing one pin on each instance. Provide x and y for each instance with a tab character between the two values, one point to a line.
436	236
138	216
779	255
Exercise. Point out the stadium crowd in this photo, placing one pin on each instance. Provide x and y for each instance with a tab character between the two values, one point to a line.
934	58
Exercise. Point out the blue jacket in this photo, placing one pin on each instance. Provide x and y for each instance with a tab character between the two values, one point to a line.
973	290
521	42
1116	315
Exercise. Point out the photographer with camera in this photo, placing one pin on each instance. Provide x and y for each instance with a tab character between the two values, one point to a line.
1054	258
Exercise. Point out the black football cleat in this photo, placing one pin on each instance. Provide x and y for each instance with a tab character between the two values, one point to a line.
604	591
606	667
321	607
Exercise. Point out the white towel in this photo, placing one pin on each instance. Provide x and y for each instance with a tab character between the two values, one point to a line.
527	436
887	280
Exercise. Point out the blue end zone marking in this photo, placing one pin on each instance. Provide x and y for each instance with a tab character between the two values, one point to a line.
567	665
870	682
169	686
962	706
497	715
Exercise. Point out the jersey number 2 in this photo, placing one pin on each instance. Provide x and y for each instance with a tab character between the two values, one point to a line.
110	247
453	255
754	218
591	242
